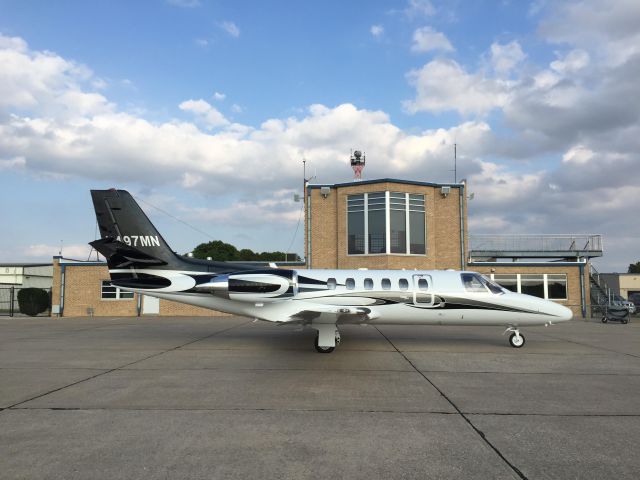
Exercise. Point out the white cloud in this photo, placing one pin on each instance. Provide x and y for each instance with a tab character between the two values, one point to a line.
377	30
578	109
46	82
235	108
230	28
426	39
75	251
277	207
15	163
608	28
99	83
204	111
419	8
184	3
505	58
572	62
536	6
218	96
578	154
443	85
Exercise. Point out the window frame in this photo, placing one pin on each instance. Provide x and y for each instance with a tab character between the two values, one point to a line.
545	283
410	206
120	294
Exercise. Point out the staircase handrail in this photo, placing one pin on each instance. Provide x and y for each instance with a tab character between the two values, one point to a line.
605	291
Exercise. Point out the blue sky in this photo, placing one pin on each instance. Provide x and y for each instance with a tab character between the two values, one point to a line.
205	109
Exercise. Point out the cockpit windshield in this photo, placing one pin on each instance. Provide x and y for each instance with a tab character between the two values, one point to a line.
493	286
474	282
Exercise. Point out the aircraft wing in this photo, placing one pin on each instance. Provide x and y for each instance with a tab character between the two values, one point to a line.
334	314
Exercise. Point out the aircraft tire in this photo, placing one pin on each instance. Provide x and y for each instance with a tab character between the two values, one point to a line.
320	349
325	349
514	342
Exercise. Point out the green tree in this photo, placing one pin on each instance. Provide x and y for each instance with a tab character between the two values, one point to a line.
225	252
217	250
634	267
33	301
247	255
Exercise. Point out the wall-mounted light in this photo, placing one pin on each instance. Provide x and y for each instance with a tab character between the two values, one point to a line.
325	191
445	190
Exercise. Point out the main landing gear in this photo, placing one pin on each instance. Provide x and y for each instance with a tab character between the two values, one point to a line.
516	339
327	338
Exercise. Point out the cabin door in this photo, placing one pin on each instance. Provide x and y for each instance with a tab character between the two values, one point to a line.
423	290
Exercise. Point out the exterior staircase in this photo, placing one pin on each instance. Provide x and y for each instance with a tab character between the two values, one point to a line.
602	299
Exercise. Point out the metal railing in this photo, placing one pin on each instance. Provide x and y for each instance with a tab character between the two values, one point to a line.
603	297
535	243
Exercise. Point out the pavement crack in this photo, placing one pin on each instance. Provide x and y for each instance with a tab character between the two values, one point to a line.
126	365
588	345
479	432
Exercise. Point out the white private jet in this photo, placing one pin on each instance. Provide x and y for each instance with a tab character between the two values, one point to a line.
140	260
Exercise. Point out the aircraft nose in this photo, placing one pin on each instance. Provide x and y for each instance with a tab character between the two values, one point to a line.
561	312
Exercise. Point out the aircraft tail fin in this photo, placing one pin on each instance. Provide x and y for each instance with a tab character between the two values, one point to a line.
128	238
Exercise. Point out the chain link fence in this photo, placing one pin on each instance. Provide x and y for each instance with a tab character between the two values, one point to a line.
23	302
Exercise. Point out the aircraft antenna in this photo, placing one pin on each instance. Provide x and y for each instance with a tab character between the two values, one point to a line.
175	218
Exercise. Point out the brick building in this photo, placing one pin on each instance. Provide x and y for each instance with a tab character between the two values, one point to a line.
385	224
402	224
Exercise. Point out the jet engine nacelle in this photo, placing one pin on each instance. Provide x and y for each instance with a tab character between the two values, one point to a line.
250	287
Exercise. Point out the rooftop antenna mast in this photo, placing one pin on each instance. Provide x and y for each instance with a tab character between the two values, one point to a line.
455	163
358	160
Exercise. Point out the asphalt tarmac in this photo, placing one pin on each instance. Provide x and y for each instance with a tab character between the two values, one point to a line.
196	398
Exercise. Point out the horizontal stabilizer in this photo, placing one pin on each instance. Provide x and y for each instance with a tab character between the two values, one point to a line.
121	255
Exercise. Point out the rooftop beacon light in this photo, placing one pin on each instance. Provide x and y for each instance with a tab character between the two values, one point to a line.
358	160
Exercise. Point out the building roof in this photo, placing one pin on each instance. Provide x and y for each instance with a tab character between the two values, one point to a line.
385	180
26	264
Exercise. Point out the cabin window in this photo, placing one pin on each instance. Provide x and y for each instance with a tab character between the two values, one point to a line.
532	284
472	283
386	223
368	284
386	284
403	283
350	283
331	283
423	284
110	292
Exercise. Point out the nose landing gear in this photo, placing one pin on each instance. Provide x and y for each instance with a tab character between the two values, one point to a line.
516	339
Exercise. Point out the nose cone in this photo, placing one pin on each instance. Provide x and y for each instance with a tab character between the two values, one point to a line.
559	312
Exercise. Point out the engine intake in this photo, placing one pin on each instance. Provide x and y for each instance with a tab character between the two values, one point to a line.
250	287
